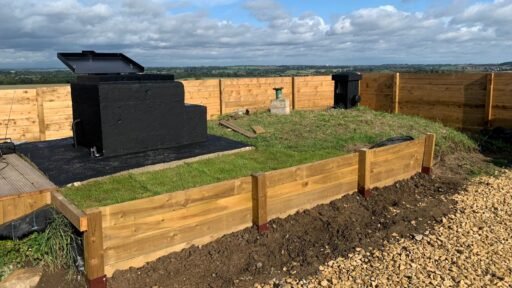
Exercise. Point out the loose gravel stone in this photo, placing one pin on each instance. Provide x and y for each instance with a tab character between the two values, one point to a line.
470	248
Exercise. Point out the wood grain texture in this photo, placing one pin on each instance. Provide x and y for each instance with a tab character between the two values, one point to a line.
396	162
57	111
253	93
93	246
15	206
376	91
428	156
40	116
147	207
396	93
144	258
76	216
294	94
457	100
502	100
174	221
236	128
177	228
206	93
196	216
18	114
259	199
20	177
305	186
364	165
313	92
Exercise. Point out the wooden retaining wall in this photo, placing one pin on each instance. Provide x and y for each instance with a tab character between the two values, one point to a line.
133	233
302	187
461	100
173	221
15	206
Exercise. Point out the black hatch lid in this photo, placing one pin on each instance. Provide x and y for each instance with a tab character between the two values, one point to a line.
347	76
91	62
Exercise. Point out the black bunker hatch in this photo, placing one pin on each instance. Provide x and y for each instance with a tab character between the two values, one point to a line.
119	110
346	89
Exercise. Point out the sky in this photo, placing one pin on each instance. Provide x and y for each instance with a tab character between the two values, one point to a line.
257	32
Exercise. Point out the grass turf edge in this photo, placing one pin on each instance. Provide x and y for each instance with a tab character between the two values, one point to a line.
299	138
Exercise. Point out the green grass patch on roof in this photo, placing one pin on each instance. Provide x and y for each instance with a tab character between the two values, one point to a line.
298	138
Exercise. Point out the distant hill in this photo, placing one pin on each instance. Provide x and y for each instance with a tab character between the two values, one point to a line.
506	63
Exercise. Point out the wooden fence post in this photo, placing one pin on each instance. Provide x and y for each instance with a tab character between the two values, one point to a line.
259	202
428	154
40	115
363	177
396	93
93	251
489	100
221	101
293	93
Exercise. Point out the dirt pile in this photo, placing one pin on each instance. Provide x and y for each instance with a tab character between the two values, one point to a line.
470	248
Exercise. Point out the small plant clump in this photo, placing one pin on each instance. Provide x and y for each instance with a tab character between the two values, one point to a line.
50	248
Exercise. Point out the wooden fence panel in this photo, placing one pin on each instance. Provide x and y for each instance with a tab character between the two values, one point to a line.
396	162
58	114
377	91
458	100
253	93
305	186
314	92
204	92
502	100
173	221
19	114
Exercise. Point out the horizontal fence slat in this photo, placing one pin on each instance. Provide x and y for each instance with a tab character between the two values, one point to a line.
147	225
310	184
300	187
309	199
239	215
432	91
129	211
17	206
395	162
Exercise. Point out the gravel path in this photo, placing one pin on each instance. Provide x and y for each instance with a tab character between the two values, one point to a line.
470	248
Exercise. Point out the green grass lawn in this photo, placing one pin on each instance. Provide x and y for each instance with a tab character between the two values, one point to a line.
302	137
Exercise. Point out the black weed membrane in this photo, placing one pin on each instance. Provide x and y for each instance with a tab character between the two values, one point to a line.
36	221
392	141
39	221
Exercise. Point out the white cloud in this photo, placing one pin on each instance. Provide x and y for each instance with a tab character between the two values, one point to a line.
477	33
203	3
153	33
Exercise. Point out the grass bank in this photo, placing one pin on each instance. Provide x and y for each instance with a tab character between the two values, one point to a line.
302	137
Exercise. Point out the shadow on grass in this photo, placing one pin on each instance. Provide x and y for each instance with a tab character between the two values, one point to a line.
496	144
